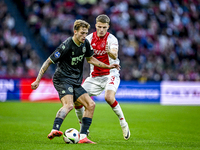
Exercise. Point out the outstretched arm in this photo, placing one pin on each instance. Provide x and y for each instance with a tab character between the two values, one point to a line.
43	69
98	63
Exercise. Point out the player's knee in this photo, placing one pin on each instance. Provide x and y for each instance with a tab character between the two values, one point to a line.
91	105
69	107
108	98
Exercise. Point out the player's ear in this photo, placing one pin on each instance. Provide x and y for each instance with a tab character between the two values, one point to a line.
75	31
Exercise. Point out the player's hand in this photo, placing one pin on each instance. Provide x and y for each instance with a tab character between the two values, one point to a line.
35	85
107	48
114	66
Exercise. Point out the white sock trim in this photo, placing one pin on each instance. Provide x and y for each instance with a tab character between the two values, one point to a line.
82	136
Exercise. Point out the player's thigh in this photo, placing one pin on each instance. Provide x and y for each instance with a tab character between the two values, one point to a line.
67	100
92	86
86	101
89	105
82	97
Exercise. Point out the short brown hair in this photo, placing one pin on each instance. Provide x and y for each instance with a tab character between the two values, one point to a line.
81	23
103	19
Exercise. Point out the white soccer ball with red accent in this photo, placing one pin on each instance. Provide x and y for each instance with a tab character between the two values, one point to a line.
71	136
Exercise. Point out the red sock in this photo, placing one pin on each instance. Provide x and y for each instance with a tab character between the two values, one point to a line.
114	104
78	107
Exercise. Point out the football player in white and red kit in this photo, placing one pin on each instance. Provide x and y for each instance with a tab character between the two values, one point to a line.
105	46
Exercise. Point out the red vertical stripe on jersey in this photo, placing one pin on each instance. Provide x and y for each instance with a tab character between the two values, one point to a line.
98	45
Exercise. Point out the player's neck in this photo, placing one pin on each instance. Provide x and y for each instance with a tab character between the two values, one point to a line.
76	41
101	36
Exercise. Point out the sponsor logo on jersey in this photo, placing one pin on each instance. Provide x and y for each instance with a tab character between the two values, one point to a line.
75	60
99	52
57	54
93	44
84	49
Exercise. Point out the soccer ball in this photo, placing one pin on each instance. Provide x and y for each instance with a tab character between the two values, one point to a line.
71	136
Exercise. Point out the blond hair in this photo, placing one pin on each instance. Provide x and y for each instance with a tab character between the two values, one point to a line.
103	19
81	23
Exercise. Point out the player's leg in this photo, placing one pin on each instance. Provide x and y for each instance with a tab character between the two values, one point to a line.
67	106
65	92
79	110
110	92
92	86
89	105
110	99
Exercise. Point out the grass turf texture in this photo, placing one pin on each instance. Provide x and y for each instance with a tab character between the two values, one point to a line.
153	127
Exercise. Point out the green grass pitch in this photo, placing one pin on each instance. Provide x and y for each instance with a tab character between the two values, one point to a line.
25	126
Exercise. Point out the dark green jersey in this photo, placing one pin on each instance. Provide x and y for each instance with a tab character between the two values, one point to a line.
70	58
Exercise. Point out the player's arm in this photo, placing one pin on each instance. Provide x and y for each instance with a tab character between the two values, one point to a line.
43	69
98	63
113	52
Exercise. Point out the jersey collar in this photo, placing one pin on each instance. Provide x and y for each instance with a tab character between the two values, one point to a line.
75	43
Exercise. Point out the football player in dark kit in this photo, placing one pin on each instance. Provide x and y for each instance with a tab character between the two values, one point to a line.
67	78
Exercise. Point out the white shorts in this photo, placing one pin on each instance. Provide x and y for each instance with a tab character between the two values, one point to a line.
95	86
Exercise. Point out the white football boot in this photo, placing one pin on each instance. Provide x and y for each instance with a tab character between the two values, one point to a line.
126	132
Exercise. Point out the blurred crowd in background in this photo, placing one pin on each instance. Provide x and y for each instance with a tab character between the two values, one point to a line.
17	58
158	39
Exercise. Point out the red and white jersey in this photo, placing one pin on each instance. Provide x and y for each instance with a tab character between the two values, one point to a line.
98	44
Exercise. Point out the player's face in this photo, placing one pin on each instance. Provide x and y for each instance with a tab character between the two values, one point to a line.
80	35
101	28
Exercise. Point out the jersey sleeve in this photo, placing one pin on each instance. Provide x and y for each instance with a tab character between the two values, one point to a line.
89	49
58	53
113	42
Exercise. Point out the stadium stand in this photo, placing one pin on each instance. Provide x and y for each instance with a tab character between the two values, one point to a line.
17	58
159	39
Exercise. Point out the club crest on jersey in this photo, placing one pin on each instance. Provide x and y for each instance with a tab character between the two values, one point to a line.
84	49
57	54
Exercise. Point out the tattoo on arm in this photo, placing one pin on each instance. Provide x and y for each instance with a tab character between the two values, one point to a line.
96	62
44	68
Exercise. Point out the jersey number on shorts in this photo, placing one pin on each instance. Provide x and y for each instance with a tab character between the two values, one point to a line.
112	80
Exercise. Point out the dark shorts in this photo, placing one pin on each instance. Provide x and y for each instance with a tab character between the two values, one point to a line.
68	89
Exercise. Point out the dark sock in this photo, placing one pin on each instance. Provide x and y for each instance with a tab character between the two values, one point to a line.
57	123
86	122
